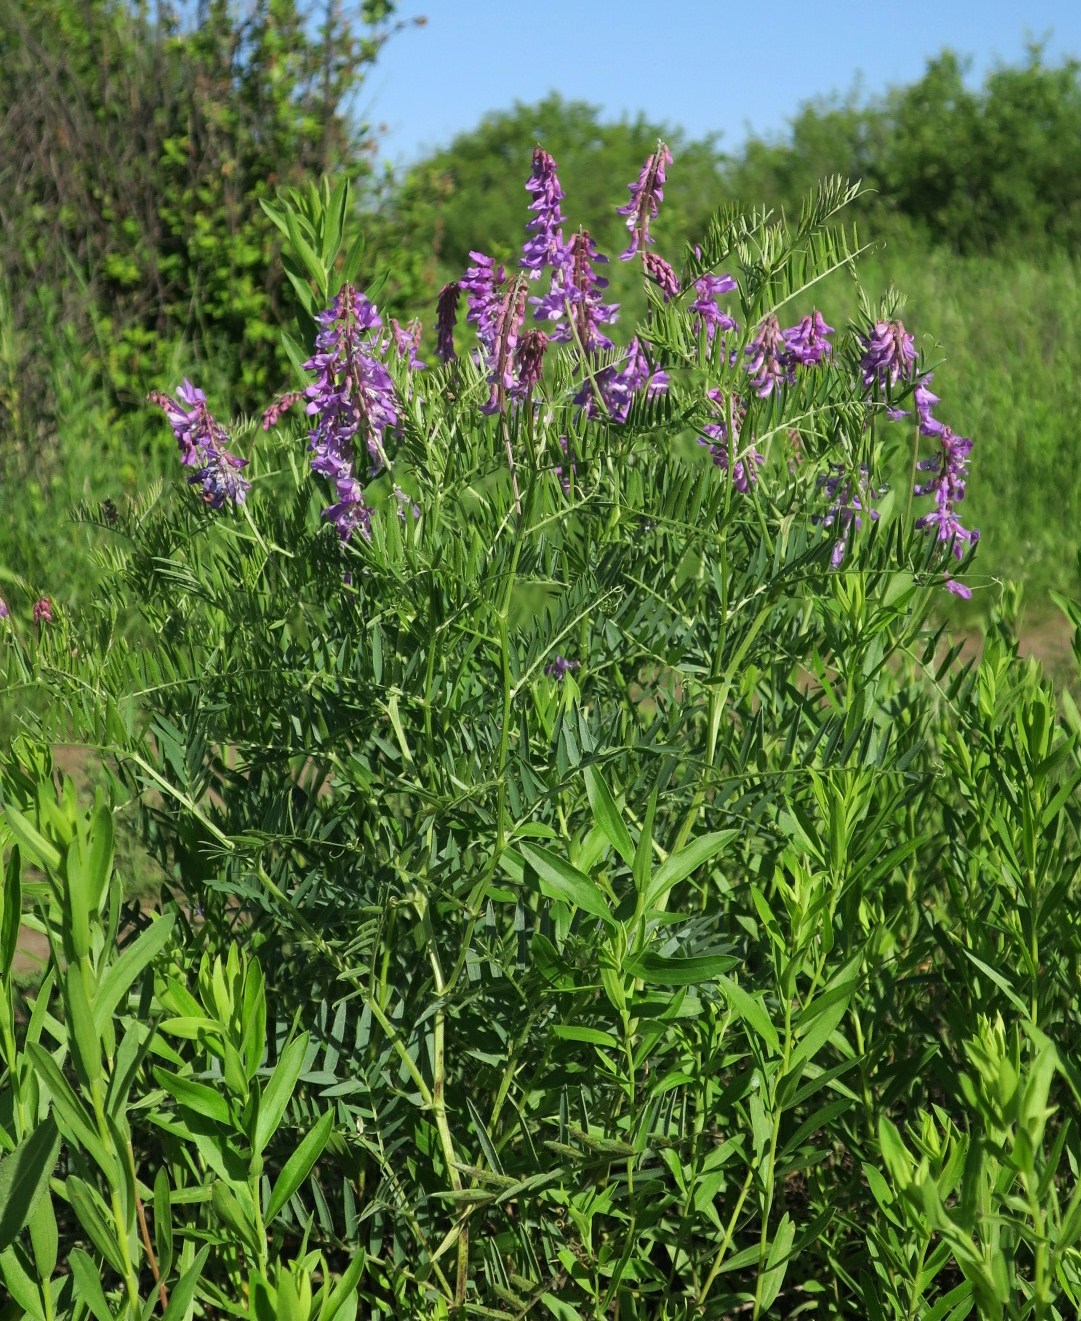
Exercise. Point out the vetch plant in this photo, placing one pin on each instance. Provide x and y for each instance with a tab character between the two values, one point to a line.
603	860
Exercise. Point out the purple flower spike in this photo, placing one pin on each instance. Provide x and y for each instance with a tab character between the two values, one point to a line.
530	360
646	197
575	298
272	415
352	400
767	356
619	383
446	314
706	312
950	467
203	445
889	354
545	246
407	342
661	273
807	343
744	471
849	500
43	611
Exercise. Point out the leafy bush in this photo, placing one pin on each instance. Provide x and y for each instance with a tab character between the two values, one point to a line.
643	912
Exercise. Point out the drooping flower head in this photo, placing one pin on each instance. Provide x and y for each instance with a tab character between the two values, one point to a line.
767	357
497	309
43	611
272	415
575	299
545	246
446	313
661	273
203	445
614	387
807	343
889	354
530	360
353	402
708	288
646	197
950	468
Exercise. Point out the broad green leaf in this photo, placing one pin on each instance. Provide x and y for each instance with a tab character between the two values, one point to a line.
34	844
87	1204
661	970
11	908
678	866
278	1090
120	978
606	814
99	862
559	880
44	1237
20	1283
777	1261
69	1109
195	1096
87	1276
182	1294
590	1035
753	1012
237	1217
163	1219
327	1305
84	1039
299	1164
24	1178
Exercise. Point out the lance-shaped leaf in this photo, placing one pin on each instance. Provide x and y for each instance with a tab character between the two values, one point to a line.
24	1178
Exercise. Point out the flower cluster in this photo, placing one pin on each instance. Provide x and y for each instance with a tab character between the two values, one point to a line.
646	197
203	446
715	436
774	354
850	497
889	354
352	400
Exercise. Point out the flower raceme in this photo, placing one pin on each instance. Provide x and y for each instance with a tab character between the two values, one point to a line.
203	445
356	407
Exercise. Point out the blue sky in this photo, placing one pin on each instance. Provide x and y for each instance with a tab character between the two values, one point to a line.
705	67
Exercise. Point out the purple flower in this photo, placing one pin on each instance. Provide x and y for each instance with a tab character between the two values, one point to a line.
446	314
530	360
715	435
43	611
4	611
646	197
618	383
661	273
575	298
708	289
407	342
849	500
559	667
282	404
959	589
768	361
888	354
352	399
405	502
545	246
950	466
807	343
203	445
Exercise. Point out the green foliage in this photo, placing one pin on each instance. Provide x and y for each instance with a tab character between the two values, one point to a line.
734	971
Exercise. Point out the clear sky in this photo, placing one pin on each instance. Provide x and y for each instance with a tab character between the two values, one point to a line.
723	67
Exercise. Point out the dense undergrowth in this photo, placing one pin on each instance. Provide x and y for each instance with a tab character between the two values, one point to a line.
597	889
